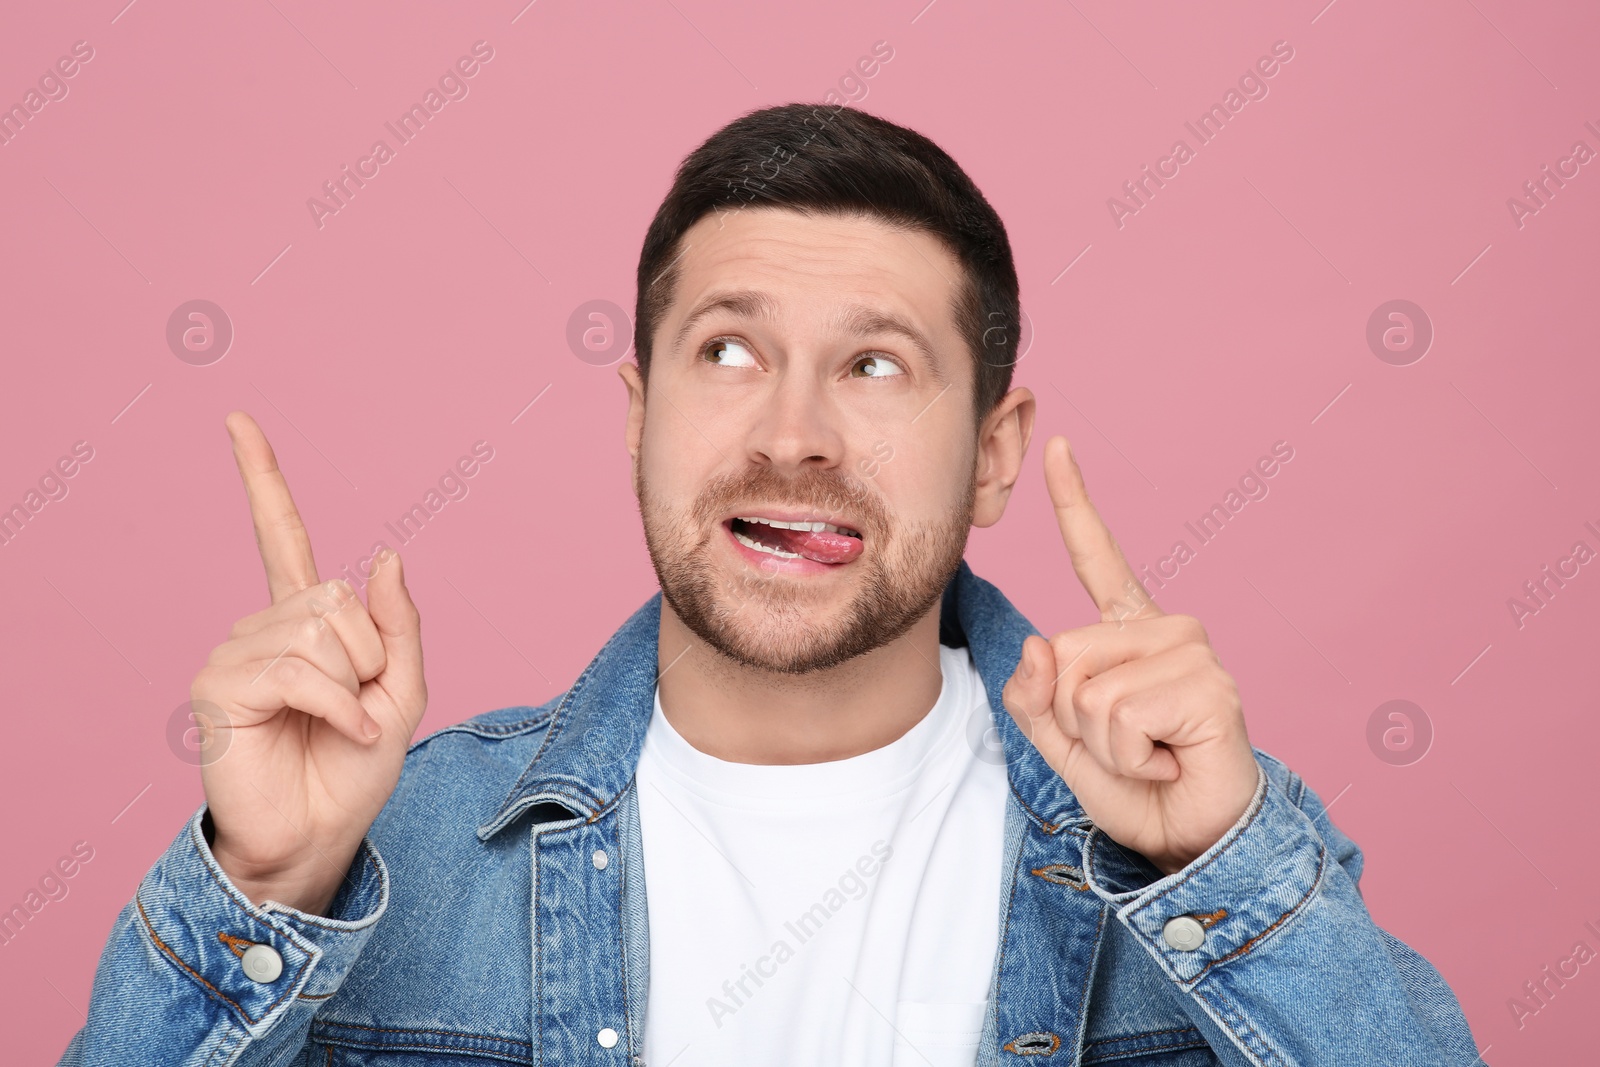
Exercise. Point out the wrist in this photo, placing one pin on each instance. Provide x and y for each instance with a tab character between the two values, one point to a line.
306	883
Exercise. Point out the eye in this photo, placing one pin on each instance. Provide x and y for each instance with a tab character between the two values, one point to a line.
879	367
728	352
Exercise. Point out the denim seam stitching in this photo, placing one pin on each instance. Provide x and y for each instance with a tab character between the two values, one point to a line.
491	732
1039	821
1005	928
502	1057
1198	1041
368	854
1244	1029
1088	977
444	1048
1146	1033
173	955
1258	808
556	720
330	1024
538	944
573	790
622	925
224	1049
1295	909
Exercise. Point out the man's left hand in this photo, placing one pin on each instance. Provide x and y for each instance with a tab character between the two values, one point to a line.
1135	712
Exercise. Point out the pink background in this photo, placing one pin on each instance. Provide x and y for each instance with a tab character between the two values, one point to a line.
1227	314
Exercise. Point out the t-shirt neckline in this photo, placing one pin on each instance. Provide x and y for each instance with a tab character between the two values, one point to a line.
877	773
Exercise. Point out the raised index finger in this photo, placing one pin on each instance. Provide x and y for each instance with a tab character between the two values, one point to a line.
280	534
1096	558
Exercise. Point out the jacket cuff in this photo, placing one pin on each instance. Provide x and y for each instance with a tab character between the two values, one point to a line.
201	924
1249	884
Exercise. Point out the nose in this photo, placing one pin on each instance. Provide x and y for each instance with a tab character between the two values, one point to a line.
796	425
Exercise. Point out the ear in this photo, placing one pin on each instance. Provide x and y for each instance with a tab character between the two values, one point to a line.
1002	442
633	433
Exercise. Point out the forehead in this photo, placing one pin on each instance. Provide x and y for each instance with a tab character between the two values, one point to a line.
810	263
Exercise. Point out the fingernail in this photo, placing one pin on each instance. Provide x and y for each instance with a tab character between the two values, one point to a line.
370	727
1026	666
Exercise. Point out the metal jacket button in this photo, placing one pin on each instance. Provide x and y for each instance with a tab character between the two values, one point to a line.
600	859
262	963
606	1037
1184	933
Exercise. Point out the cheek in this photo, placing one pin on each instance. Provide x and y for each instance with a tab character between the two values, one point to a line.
689	418
913	492
675	461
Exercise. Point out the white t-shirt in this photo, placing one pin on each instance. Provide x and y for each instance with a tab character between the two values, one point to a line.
825	914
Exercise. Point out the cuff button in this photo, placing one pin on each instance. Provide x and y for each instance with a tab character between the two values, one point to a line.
262	963
1183	933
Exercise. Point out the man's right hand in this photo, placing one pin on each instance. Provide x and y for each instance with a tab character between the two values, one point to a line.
309	705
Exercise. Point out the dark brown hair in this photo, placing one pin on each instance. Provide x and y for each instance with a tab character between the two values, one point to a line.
841	160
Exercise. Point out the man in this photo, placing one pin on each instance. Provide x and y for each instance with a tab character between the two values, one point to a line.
788	743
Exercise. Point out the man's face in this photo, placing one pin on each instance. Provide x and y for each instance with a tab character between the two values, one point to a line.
800	403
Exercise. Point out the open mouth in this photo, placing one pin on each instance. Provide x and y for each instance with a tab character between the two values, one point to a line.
821	542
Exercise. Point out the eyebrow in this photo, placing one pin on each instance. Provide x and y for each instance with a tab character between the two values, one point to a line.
743	303
857	320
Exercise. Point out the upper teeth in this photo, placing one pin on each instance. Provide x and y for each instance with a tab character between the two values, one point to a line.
814	527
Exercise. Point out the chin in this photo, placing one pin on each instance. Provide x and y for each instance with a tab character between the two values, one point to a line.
782	627
774	624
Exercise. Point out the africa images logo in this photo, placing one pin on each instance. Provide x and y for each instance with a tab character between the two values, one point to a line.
1252	85
452	86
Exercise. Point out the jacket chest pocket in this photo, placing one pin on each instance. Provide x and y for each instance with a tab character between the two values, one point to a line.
353	1045
1136	1014
1169	1057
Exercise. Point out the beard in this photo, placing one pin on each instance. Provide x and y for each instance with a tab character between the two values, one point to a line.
765	620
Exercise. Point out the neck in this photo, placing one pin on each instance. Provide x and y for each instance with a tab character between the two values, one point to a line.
746	715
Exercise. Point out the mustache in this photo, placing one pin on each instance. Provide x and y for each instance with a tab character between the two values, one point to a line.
821	489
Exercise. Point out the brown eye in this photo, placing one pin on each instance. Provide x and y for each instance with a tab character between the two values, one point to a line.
878	367
727	352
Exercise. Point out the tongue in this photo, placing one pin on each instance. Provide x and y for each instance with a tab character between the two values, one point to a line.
822	546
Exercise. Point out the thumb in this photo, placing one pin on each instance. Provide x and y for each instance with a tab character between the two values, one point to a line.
1030	692
400	628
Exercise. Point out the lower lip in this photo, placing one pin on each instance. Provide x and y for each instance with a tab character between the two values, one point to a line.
770	564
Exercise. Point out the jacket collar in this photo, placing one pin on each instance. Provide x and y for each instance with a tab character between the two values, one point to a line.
592	746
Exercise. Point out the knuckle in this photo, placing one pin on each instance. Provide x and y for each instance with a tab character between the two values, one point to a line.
289	670
333	597
1065	647
1227	693
308	633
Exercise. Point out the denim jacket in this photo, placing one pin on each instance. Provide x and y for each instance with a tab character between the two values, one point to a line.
495	913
